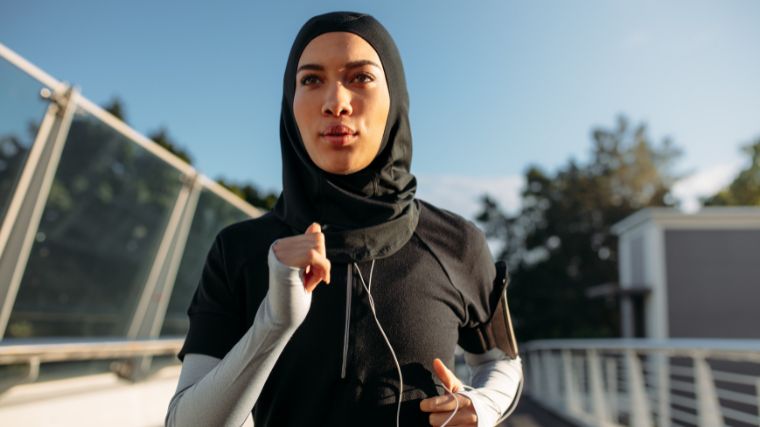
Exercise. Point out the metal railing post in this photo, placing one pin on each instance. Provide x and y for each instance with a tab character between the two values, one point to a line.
662	366
536	373
151	308
174	259
611	371
639	405
598	401
757	393
552	378
708	407
572	403
25	212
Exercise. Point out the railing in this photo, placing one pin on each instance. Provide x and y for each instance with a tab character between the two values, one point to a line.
132	353
102	231
622	382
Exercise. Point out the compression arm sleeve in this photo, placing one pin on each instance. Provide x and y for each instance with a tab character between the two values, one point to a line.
214	392
495	381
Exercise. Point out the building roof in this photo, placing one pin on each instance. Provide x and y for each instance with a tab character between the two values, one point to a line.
706	218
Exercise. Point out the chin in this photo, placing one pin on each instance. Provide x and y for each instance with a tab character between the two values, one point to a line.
342	171
340	168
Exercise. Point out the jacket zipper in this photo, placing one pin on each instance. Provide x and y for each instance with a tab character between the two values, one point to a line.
349	287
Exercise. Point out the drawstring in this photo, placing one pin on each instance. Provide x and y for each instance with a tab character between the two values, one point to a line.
349	288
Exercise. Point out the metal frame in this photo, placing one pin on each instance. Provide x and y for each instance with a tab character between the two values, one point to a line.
146	310
131	134
30	198
31	69
32	355
166	156
229	197
25	179
86	349
171	267
148	318
639	400
22	189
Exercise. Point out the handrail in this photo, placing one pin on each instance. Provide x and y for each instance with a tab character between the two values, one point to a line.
727	348
646	382
20	351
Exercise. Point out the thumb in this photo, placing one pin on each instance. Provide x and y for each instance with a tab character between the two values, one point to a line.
313	228
449	380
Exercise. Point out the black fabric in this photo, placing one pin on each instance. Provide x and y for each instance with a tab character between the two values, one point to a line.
433	279
369	214
496	332
437	288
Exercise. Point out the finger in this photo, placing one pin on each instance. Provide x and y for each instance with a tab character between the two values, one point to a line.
449	380
313	228
319	244
444	403
319	271
322	264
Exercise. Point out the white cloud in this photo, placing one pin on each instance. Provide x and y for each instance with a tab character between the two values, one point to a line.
704	183
461	194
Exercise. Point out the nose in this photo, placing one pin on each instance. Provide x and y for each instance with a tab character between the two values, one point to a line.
337	101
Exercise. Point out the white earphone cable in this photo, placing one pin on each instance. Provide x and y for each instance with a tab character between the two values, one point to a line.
367	287
387	341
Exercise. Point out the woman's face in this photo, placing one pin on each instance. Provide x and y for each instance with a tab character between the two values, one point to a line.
341	102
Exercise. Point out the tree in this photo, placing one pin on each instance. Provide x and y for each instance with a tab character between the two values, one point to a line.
559	244
744	190
245	190
162	138
116	107
250	193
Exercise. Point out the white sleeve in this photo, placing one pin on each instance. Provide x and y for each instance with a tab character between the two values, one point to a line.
495	382
223	392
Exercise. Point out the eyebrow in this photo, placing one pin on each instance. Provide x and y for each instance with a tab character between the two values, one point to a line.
352	64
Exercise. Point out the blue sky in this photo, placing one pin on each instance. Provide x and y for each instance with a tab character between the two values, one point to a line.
495	85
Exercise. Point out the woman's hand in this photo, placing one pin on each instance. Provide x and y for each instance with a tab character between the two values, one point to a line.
306	251
440	407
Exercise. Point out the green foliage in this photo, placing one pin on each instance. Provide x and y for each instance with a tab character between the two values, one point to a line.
559	244
161	137
245	190
745	188
116	108
250	194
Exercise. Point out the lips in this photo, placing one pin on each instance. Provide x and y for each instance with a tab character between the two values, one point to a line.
338	135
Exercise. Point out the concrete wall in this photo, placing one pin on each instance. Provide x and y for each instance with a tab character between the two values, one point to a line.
713	283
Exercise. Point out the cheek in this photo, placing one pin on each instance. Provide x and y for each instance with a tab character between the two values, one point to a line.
380	117
298	112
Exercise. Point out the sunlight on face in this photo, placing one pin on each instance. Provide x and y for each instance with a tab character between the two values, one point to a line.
341	102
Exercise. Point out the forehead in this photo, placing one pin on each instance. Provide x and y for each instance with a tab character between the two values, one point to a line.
337	48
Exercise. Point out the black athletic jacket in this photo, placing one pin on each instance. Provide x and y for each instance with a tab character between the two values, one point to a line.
437	291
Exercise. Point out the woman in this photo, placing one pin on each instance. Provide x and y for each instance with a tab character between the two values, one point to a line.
407	281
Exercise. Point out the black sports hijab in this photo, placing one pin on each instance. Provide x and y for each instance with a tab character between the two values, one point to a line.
370	213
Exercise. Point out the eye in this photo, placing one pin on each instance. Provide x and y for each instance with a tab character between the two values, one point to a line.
309	79
364	78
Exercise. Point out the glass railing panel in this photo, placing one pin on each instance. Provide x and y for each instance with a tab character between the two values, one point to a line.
212	214
98	237
21	111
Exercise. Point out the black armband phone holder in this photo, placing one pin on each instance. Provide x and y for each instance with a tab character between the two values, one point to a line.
497	332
